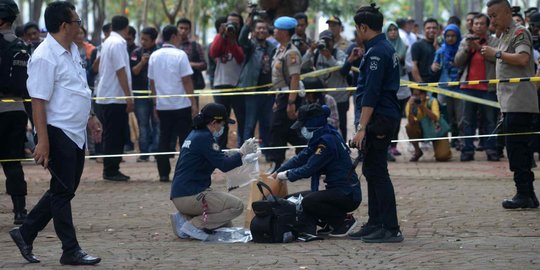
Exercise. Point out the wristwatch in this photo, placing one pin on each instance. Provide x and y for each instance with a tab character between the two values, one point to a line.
360	128
498	55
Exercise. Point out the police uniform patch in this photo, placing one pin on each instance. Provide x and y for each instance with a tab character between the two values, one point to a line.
215	146
293	59
374	65
519	34
320	148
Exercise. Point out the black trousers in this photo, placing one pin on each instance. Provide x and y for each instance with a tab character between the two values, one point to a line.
66	164
238	104
12	138
281	134
343	108
173	124
381	197
520	150
114	118
327	206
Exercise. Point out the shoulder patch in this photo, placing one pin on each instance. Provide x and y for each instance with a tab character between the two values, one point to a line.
215	146
320	148
293	58
374	65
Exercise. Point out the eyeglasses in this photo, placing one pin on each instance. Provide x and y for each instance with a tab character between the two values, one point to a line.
79	22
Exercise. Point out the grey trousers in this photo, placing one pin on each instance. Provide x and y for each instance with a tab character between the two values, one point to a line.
222	208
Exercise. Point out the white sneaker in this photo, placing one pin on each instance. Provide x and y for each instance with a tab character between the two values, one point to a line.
177	220
193	231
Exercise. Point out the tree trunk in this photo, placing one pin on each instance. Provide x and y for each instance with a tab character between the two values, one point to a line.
99	18
171	15
418	11
85	14
435	12
36	10
145	13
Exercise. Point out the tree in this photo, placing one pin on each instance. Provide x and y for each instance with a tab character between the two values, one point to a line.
171	15
98	6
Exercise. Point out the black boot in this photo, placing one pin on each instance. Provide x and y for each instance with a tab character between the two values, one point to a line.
19	209
518	201
533	195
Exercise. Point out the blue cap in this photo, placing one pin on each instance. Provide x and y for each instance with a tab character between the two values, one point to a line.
285	23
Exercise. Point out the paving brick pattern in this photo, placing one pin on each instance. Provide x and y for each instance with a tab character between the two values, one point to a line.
450	215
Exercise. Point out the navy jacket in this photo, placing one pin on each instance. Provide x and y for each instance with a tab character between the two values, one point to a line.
378	81
199	157
326	154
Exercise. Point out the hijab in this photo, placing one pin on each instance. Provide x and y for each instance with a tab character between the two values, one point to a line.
397	43
449	51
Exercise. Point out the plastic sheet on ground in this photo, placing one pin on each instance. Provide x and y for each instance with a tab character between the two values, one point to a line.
245	174
230	235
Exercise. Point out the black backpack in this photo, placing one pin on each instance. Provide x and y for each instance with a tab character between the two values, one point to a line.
275	219
14	58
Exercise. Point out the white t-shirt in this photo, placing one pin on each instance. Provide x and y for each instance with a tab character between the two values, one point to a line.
58	76
167	66
114	56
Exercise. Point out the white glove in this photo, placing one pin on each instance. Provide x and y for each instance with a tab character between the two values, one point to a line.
249	146
282	176
250	158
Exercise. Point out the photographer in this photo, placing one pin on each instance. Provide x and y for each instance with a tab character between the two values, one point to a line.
418	107
229	57
257	70
477	67
323	55
300	39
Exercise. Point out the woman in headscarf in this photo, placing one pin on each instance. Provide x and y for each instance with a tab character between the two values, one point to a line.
391	31
452	109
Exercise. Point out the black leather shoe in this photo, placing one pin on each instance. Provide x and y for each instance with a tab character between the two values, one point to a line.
519	201
493	157
79	257
466	156
26	250
118	177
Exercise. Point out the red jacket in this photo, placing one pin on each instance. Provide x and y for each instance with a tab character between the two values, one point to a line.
220	46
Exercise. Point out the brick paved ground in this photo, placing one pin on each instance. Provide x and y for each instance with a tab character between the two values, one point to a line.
450	215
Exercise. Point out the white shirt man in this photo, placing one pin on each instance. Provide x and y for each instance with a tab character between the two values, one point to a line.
170	73
58	77
113	57
167	67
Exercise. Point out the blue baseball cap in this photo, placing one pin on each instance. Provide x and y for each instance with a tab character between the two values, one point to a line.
285	23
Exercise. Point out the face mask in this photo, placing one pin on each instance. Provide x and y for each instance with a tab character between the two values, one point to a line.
218	133
307	134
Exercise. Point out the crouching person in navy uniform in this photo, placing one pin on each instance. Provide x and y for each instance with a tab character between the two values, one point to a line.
200	208
326	154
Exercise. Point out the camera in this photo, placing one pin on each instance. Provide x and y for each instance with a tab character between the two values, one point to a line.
352	144
296	41
256	12
417	101
473	38
321	44
230	28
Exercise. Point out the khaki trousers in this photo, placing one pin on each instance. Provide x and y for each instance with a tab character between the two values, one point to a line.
441	148
222	208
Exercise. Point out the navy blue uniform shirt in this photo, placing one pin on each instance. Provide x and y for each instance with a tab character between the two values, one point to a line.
199	157
326	154
378	81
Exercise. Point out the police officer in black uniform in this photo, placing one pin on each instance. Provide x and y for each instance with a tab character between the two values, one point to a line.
378	84
13	118
326	154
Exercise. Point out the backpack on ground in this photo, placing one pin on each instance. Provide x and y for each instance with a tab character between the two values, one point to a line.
14	58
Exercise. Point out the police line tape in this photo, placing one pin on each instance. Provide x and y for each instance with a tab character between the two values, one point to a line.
297	146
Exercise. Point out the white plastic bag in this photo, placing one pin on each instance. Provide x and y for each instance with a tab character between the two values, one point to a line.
245	174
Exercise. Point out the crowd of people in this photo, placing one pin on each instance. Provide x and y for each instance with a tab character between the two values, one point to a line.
252	53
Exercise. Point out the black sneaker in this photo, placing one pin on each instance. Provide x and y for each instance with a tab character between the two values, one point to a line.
344	229
118	177
366	229
326	230
493	157
383	235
